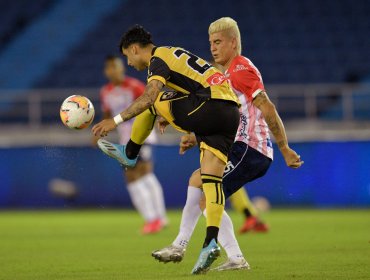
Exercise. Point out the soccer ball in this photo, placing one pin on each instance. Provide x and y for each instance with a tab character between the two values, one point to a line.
77	112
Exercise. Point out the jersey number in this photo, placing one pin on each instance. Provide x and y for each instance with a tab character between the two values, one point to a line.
192	61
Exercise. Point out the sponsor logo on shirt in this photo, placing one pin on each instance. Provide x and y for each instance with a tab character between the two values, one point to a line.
216	79
240	67
243	126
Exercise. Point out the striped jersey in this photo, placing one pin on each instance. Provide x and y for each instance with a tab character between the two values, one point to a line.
246	81
187	73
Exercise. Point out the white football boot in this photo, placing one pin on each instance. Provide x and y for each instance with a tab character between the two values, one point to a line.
233	265
169	254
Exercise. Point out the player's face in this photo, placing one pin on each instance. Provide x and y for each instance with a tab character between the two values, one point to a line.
114	70
134	57
222	47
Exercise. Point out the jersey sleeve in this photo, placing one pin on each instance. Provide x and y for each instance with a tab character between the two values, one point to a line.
249	83
158	70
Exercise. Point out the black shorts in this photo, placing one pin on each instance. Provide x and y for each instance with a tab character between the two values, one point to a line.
213	121
245	165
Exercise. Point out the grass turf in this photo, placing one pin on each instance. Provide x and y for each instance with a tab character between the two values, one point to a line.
302	244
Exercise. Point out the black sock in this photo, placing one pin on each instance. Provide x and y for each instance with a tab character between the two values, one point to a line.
247	213
212	233
132	149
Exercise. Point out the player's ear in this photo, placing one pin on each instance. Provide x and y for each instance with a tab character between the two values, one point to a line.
134	49
234	43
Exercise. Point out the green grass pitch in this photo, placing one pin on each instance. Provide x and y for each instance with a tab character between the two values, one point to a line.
104	245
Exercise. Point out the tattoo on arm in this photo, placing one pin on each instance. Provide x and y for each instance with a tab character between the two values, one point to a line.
260	99
272	118
145	101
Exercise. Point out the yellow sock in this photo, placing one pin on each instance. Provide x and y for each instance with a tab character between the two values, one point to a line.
215	199
240	201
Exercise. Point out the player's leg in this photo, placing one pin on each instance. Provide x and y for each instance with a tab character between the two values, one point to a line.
195	204
127	155
153	185
241	203
212	169
227	239
140	196
190	215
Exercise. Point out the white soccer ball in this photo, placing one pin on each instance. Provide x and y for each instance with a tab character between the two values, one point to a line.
77	112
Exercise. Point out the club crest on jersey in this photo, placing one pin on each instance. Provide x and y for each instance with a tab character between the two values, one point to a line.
216	79
169	95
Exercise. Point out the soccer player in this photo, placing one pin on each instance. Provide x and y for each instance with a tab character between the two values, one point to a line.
143	186
241	203
201	102
251	153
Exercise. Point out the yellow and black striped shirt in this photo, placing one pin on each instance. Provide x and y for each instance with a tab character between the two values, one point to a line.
187	73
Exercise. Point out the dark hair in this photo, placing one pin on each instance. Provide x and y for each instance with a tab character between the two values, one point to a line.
111	57
136	34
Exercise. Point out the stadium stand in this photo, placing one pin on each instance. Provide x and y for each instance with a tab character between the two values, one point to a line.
16	15
318	41
28	58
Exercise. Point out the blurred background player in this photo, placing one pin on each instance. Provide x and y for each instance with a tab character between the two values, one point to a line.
143	186
241	202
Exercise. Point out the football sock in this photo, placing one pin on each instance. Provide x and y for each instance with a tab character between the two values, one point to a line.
156	192
189	218
241	203
141	199
226	237
132	149
215	204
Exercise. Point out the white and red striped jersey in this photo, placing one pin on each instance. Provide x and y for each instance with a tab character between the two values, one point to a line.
246	81
115	99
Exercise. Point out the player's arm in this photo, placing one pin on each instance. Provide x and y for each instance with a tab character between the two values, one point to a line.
145	101
276	126
142	103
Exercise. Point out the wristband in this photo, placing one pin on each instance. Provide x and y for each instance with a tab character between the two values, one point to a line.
118	119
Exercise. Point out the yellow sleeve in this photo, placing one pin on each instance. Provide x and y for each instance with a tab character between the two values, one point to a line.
142	127
156	77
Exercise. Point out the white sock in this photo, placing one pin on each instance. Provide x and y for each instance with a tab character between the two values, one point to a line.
227	239
189	218
156	192
141	199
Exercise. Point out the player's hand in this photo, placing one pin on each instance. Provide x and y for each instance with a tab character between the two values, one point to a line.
292	159
104	127
162	124
187	142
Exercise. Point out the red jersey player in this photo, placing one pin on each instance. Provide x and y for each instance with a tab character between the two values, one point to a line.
251	153
143	186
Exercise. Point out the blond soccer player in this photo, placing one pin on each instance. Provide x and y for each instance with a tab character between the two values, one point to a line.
251	154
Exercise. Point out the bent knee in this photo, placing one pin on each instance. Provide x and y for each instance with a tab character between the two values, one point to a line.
195	179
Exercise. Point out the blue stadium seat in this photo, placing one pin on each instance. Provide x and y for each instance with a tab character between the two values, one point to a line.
313	41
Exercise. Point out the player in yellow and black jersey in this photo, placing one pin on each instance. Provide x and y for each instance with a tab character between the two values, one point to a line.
200	100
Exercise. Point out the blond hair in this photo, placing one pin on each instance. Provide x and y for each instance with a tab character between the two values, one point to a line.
229	25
